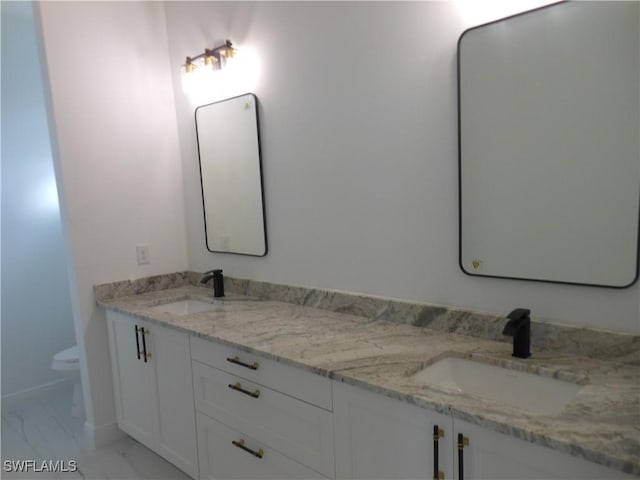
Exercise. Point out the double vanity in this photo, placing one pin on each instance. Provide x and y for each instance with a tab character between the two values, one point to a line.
247	387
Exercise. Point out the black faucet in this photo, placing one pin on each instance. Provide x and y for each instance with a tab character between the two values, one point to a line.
218	282
519	327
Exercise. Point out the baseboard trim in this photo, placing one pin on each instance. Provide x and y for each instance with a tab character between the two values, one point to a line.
13	399
102	435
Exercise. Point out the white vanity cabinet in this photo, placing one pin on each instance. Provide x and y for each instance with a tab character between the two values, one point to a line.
153	388
258	418
380	437
219	412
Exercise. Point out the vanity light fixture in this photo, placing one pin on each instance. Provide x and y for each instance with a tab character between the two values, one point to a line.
212	58
221	72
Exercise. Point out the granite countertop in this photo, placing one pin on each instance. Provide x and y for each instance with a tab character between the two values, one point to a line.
601	424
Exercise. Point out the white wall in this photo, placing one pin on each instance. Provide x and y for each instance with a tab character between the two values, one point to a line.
34	328
117	159
359	142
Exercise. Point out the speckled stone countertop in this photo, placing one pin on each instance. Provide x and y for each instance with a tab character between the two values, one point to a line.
601	424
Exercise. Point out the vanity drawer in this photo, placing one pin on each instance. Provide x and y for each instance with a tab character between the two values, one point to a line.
290	380
220	458
290	426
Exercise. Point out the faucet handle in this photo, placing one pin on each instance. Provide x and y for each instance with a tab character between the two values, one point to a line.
217	271
519	314
517	319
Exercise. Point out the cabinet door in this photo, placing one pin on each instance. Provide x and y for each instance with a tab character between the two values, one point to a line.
493	456
221	457
154	398
176	426
133	379
379	437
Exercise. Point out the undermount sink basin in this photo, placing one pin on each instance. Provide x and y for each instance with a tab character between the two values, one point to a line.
186	307
526	391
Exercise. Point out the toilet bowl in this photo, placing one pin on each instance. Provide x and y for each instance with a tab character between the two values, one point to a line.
67	362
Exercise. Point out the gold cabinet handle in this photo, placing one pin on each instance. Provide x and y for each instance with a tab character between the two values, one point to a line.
240	444
237	361
138	352
462	442
145	355
438	433
238	388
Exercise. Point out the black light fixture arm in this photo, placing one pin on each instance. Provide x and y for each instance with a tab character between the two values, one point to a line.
225	50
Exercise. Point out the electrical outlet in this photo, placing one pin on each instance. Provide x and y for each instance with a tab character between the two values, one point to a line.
142	252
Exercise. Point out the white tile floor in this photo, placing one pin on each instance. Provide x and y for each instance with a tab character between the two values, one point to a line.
41	428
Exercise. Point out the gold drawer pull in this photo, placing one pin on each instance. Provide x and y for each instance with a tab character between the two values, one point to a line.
240	444
238	388
237	361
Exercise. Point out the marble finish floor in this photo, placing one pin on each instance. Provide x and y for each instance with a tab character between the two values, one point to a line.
41	428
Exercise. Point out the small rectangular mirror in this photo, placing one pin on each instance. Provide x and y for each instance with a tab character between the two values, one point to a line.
231	176
549	145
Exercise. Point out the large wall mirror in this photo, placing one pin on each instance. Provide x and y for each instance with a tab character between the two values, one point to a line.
549	139
231	176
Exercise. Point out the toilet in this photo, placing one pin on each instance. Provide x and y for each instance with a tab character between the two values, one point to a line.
67	362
